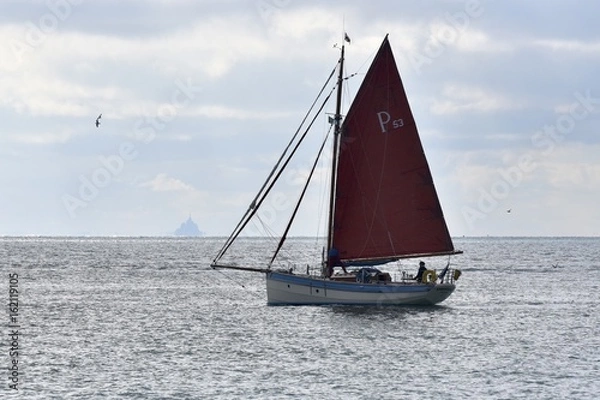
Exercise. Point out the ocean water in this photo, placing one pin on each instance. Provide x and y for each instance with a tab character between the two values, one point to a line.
146	318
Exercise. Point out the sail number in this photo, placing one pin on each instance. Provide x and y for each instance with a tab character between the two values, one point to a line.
386	122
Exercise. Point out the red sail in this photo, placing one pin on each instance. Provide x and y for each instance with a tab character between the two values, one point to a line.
386	205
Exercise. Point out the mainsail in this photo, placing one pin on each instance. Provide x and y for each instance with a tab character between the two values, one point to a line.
386	206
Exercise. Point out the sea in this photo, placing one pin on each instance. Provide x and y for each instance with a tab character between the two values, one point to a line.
146	318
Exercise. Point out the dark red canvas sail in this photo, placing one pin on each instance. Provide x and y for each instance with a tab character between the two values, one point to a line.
386	205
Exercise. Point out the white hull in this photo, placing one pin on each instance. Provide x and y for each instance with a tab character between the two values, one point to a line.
289	289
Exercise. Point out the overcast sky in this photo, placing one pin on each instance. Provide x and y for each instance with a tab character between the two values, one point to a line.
198	98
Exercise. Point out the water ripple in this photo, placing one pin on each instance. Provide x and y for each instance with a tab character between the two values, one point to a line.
144	318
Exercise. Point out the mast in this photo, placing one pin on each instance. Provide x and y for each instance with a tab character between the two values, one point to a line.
336	142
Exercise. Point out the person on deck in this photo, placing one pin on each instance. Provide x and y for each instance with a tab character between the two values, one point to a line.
334	261
421	271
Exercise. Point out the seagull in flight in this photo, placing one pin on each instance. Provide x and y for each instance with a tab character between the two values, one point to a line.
98	120
509	210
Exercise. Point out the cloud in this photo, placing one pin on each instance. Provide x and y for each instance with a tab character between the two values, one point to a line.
224	112
459	98
571	166
303	23
164	183
46	95
496	80
570	46
41	138
474	40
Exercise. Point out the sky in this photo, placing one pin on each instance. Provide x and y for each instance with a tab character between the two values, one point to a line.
198	98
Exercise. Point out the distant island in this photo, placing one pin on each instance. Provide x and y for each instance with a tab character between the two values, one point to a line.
188	228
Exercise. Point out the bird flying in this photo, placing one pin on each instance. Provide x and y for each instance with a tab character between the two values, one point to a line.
98	120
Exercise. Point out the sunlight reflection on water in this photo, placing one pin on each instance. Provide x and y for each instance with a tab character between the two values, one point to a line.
145	318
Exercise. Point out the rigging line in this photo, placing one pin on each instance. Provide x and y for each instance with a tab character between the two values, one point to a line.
321	221
268	232
371	57
229	277
252	205
255	209
322	193
289	225
261	228
391	241
299	128
273	181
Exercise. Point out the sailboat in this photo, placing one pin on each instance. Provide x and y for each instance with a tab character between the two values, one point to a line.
383	206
